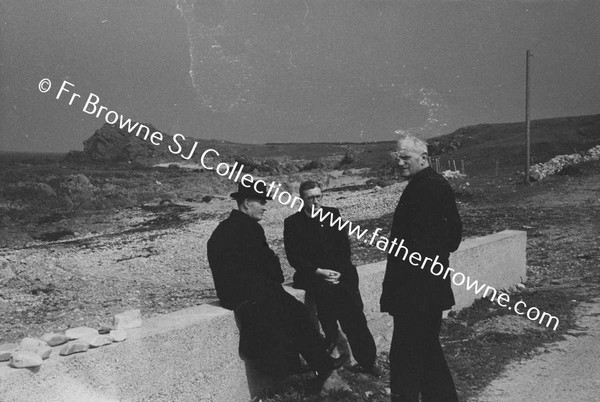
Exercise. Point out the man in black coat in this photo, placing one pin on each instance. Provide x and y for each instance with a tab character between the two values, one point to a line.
427	221
248	277
320	254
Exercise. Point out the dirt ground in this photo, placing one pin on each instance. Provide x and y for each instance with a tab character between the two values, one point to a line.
152	256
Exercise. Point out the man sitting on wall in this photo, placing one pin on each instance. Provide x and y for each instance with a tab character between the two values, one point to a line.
248	277
320	254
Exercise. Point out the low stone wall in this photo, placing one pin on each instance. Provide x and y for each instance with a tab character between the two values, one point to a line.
192	354
498	260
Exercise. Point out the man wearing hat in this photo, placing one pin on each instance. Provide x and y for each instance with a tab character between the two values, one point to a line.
248	278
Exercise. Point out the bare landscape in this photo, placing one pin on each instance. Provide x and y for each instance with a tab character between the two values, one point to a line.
90	234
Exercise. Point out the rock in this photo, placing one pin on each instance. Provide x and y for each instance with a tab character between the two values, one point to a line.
110	143
128	320
6	272
7	350
118	335
76	333
96	340
31	343
520	286
74	347
104	330
43	351
25	359
37	346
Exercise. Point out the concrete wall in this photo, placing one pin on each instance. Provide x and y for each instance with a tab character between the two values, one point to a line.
192	354
498	260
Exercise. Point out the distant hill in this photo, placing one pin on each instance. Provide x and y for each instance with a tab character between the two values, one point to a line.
479	146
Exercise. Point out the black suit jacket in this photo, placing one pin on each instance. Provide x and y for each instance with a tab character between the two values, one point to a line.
310	244
243	265
427	219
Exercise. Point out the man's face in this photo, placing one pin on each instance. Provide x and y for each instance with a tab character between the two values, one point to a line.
255	208
312	198
410	161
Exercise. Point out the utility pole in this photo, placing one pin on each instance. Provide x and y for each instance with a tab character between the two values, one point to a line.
528	56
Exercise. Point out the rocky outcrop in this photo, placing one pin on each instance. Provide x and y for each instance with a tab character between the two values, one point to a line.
540	171
110	143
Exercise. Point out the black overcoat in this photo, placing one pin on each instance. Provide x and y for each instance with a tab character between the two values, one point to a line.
311	244
427	219
243	265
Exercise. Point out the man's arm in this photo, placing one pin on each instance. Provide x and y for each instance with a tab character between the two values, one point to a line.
342	242
233	271
452	219
296	249
435	222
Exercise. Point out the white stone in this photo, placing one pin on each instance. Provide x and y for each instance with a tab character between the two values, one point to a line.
118	335
25	359
37	346
7	350
96	340
128	320
31	343
76	333
74	347
54	339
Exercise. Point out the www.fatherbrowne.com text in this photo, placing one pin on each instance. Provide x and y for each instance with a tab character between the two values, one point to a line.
396	247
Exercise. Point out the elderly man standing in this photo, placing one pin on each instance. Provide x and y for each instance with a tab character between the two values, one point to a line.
248	278
320	254
427	219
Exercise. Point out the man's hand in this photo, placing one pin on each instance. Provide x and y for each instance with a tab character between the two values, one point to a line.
329	276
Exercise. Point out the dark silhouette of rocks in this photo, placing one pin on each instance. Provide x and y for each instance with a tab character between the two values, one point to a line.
110	143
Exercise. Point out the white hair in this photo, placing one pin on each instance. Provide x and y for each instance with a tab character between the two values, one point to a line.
411	142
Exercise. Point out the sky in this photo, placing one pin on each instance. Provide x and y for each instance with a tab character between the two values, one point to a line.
257	71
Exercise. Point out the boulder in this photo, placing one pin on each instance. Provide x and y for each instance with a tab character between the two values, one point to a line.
37	346
7	350
110	143
54	339
79	332
96	340
128	320
118	335
25	359
74	347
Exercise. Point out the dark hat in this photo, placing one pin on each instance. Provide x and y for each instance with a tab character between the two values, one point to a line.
251	191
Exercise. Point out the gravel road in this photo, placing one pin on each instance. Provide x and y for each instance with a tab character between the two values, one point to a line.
568	371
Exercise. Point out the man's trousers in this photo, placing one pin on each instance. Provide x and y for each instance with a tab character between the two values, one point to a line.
340	303
417	360
273	332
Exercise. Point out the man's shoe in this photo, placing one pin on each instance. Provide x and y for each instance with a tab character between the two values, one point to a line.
322	376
